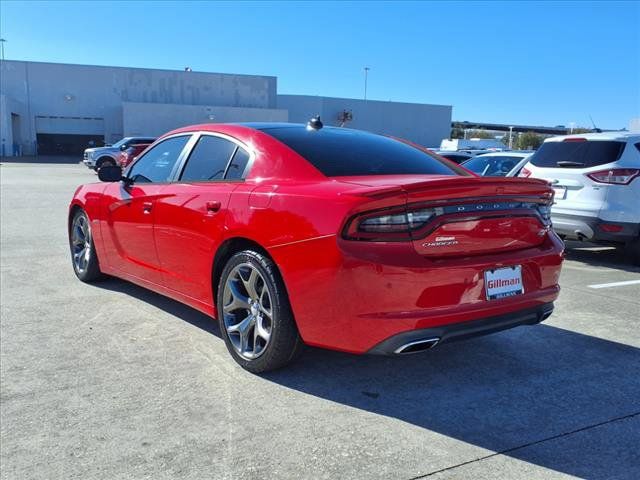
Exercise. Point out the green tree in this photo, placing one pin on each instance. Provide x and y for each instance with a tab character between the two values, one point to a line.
505	139
457	132
479	134
580	130
529	141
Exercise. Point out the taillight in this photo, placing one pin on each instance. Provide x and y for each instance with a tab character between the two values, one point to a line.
398	224
616	176
610	227
524	173
388	225
545	213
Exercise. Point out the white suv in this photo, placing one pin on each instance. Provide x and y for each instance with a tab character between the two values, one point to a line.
596	178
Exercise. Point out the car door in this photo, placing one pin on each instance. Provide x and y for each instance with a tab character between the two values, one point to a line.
190	220
130	205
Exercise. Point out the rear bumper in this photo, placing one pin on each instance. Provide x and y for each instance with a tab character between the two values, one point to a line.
462	331
593	228
345	298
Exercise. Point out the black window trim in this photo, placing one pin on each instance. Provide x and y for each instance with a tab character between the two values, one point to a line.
197	135
171	179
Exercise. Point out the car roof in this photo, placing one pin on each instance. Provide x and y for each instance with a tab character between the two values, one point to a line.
230	128
621	136
268	125
452	152
510	153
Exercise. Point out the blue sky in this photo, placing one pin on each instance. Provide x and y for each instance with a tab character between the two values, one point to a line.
540	63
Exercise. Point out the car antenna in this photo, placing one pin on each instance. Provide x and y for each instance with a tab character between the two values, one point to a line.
595	129
315	123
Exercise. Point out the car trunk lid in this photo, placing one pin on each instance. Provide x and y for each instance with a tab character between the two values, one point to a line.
468	215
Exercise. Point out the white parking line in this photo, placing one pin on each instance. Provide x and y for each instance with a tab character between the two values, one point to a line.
615	284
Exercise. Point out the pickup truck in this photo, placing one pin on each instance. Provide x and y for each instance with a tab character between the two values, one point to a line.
100	156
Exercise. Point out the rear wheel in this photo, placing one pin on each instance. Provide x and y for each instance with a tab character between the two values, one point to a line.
632	250
255	317
83	253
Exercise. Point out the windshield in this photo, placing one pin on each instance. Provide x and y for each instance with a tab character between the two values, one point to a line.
345	152
492	166
119	143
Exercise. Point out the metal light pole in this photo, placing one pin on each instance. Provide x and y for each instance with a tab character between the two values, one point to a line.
366	74
510	137
2	40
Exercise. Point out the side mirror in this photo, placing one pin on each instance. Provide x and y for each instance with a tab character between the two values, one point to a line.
110	173
123	147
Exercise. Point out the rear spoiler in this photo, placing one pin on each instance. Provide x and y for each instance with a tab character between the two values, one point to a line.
503	185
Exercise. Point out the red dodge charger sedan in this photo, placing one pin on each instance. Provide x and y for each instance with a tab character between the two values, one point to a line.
303	234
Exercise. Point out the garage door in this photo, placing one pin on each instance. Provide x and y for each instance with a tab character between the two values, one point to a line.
68	135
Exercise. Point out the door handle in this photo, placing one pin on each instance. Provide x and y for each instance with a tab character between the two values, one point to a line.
213	206
147	206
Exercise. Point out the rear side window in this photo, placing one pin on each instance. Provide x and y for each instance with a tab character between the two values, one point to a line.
208	160
577	154
238	164
344	152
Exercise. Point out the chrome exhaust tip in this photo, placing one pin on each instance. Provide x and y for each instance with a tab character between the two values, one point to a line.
417	346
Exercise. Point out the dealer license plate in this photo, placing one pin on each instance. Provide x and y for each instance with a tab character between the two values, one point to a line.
503	282
561	193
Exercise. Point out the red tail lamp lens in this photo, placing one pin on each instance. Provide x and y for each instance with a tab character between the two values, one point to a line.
615	176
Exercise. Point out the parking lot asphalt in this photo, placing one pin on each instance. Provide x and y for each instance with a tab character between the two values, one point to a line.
111	381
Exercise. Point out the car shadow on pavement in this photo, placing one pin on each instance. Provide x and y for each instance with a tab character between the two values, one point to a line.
599	256
525	393
177	309
507	393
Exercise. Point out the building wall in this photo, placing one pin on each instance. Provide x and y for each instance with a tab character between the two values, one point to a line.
13	114
155	119
112	102
421	123
80	96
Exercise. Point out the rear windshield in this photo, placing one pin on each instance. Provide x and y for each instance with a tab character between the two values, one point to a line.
345	152
580	154
491	165
455	158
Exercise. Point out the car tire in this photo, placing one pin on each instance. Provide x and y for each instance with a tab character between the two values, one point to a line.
83	251
254	314
105	162
632	250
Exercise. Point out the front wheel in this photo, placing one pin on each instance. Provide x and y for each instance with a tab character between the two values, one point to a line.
255	317
105	162
83	252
